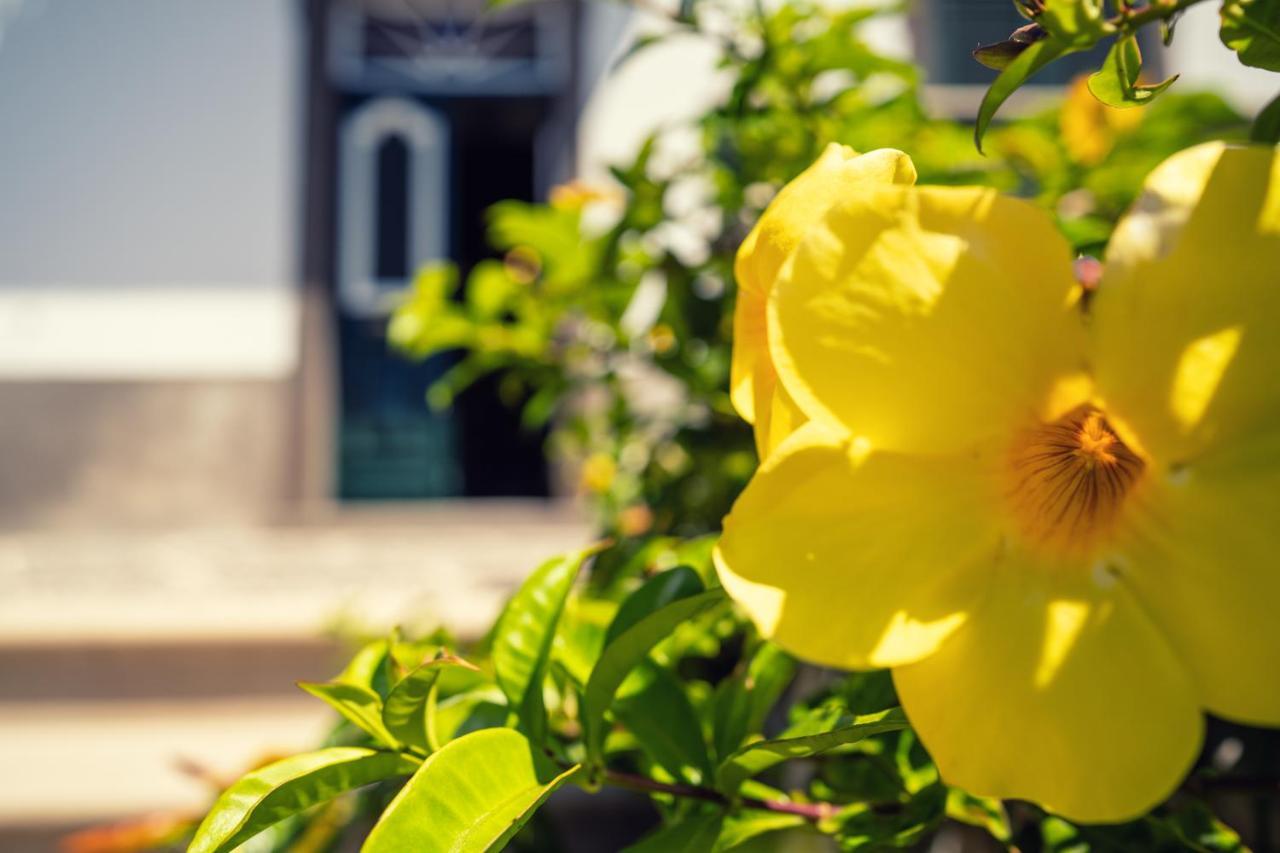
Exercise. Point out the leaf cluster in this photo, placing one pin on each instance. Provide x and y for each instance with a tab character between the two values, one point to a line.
1250	28
639	676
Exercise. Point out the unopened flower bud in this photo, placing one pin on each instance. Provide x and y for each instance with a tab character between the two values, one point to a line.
1000	54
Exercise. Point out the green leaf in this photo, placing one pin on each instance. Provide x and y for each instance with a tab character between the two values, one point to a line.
483	708
490	289
1266	127
1252	29
746	825
1116	84
985	812
470	797
1199	829
365	668
658	713
404	713
696	834
524	636
1078	23
272	793
632	643
743	701
655	593
1017	72
755	758
360	705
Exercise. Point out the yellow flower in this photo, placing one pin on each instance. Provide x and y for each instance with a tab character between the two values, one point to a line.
1056	525
1090	128
799	206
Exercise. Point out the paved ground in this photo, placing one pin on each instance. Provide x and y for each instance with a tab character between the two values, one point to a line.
125	654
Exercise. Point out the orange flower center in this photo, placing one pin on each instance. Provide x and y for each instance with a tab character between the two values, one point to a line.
1068	479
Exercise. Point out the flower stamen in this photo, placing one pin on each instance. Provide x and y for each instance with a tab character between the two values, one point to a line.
1069	479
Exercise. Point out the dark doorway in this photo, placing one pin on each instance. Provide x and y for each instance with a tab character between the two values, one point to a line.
389	444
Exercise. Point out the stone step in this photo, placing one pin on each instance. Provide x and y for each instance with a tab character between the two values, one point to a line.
77	763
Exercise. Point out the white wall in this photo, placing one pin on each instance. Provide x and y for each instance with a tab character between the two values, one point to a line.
1204	62
149	168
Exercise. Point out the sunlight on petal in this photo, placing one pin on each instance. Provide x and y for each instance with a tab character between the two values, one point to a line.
1063	623
1200	370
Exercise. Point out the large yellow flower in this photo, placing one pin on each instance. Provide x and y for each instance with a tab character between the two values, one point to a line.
1054	518
838	173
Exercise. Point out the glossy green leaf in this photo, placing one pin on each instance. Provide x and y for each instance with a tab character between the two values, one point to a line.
695	834
524	636
364	668
404	713
360	705
483	708
471	796
749	824
272	793
1017	72
1116	84
631	646
1252	29
1266	127
760	756
657	711
654	594
743	701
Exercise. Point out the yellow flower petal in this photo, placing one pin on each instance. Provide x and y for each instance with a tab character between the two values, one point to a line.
856	559
1203	562
1059	690
777	416
838	172
926	318
1187	317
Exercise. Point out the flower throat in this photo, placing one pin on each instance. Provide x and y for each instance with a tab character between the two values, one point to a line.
1069	479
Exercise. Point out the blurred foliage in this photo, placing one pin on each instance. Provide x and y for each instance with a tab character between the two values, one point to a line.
610	312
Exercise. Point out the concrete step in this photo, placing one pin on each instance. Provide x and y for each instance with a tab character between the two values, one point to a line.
129	655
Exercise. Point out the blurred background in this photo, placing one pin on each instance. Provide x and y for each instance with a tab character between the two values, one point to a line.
212	466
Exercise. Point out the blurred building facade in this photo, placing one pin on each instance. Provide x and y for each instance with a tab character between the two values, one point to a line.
206	209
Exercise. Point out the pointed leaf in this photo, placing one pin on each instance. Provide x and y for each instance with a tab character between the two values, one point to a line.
1017	72
360	705
470	797
1116	84
404	713
631	646
743	701
658	713
367	666
272	793
525	633
657	592
758	757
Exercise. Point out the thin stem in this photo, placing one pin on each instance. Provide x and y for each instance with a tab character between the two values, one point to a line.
1130	20
810	811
